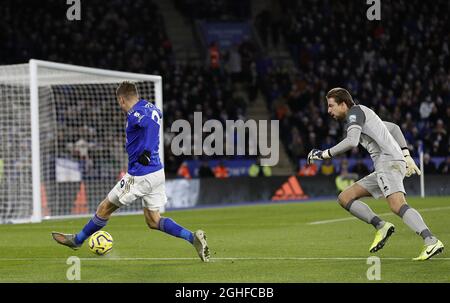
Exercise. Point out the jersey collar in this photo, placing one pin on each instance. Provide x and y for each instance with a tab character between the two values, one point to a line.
133	108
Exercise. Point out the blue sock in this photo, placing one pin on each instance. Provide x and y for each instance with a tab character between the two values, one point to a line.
95	224
170	227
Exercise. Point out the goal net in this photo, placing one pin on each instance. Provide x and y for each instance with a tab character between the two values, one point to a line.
62	137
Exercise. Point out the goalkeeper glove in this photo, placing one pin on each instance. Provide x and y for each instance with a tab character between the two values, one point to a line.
317	154
411	167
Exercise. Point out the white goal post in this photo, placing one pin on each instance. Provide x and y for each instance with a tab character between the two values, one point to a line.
62	137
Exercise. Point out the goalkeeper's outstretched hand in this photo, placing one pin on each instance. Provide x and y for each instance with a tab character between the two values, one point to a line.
317	154
411	167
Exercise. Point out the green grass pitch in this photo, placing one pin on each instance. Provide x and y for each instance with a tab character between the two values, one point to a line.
259	243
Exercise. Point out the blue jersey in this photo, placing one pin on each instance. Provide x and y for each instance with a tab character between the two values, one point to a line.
142	130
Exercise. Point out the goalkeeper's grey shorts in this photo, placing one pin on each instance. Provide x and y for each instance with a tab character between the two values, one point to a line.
385	180
150	189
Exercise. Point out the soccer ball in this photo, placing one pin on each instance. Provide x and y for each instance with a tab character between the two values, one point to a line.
100	243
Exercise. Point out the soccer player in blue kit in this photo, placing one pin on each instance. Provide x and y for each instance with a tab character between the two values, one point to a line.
145	179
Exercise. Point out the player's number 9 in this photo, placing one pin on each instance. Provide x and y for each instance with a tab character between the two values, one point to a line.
155	117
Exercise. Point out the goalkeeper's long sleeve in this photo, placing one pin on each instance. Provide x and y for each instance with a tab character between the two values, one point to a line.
396	132
350	141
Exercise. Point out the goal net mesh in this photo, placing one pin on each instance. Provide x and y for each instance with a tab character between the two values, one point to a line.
82	138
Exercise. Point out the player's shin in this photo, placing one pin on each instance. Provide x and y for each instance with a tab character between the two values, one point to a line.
170	227
414	220
95	224
363	212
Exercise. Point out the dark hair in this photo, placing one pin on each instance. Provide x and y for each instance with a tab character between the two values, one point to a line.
127	90
341	95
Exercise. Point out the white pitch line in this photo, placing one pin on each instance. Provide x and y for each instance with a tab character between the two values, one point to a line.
384	215
219	259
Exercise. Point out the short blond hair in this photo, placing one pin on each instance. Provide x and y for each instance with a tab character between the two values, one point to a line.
127	90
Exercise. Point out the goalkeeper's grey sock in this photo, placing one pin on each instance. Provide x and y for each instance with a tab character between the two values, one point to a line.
414	220
363	212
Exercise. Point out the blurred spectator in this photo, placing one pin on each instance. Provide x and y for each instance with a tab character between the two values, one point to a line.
360	168
296	148
276	19
214	9
327	168
183	171
205	171
438	139
234	63
247	50
428	165
259	170
214	57
406	85
262	24
444	167
221	171
81	152
345	179
171	165
426	107
102	39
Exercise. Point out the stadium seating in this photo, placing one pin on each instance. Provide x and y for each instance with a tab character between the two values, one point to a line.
383	77
407	84
216	10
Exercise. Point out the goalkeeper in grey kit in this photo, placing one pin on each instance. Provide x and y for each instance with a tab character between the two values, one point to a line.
392	161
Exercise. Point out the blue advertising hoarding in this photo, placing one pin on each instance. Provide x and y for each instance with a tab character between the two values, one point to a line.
225	33
236	168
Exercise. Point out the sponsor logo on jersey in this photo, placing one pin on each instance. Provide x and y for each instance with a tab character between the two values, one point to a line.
138	116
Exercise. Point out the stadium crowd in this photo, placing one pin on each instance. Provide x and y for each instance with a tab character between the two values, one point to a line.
214	9
107	38
399	66
402	72
191	88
